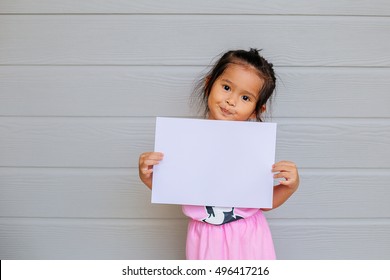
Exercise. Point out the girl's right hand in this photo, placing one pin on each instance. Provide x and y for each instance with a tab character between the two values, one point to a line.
145	166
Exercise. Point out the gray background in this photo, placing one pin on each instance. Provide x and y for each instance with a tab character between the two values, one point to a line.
81	83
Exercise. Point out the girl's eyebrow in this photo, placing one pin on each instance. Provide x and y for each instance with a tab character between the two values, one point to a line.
247	92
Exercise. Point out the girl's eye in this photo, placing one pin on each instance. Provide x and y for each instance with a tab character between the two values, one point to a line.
226	87
246	98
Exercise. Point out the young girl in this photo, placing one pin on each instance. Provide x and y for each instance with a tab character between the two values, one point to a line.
237	88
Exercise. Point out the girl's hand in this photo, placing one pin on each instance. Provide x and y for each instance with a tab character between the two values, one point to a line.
145	166
282	192
287	170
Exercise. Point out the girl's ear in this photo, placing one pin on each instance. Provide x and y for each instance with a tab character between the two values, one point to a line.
263	108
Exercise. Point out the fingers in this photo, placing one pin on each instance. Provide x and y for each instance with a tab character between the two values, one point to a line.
288	171
151	155
145	166
147	161
285	175
283	165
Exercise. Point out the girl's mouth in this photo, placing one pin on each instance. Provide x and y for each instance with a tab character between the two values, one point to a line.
225	111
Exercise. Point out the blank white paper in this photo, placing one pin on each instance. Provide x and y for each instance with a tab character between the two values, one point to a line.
214	163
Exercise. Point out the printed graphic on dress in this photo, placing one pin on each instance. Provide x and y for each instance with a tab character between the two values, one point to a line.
220	215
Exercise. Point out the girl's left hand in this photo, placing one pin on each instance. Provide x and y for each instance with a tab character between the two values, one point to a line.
287	170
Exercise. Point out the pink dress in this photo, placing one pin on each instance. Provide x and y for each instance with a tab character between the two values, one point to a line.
216	233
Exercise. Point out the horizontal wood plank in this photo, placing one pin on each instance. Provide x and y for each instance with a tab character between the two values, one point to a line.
181	40
96	91
118	193
165	91
338	194
118	142
320	7
165	239
75	142
334	143
78	193
355	239
92	239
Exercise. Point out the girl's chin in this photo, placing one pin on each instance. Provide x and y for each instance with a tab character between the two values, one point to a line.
220	117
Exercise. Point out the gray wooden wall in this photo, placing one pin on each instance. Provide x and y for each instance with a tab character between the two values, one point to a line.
81	83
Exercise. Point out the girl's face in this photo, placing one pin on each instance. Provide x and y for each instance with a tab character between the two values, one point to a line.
234	95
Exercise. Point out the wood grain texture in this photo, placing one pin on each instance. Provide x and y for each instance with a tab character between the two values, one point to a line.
355	239
165	239
118	193
78	193
96	91
92	239
118	142
337	194
182	40
299	7
148	91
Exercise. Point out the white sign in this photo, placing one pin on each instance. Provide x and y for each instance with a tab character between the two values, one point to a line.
214	163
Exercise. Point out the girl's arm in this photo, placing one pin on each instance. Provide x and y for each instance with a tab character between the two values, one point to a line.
145	166
282	192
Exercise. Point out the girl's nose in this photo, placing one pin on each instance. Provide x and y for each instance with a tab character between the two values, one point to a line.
230	102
